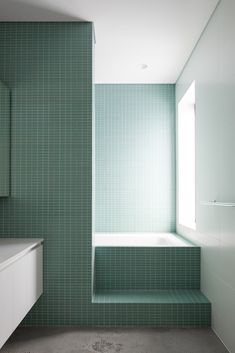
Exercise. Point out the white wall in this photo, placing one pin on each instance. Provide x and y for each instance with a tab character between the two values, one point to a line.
212	65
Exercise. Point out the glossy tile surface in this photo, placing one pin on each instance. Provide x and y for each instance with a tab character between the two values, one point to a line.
147	268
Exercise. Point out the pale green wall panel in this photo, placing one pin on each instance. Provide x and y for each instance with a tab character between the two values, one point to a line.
135	158
212	67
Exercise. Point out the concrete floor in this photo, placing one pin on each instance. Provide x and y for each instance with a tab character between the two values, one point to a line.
76	340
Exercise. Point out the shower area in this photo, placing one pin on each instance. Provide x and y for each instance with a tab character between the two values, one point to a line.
138	259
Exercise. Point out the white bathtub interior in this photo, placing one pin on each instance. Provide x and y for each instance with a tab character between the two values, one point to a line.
140	240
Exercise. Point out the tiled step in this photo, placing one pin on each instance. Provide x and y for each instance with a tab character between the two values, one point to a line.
147	268
164	308
191	296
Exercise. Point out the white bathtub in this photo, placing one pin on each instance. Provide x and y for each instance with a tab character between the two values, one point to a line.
139	239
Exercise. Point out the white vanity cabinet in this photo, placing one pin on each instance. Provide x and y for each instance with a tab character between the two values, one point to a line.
21	281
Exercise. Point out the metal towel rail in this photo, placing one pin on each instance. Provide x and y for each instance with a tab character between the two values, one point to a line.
218	203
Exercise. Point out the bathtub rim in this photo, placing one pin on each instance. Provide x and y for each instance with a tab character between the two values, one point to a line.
143	240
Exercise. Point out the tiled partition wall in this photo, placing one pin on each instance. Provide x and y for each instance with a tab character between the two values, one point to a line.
212	67
135	158
48	67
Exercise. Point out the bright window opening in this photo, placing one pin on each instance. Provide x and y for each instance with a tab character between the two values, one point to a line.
186	159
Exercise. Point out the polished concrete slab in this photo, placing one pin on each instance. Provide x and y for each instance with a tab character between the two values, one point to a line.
77	340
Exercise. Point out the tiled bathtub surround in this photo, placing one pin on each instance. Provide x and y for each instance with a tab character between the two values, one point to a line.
147	268
166	279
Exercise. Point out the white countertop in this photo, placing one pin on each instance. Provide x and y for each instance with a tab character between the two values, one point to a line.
11	249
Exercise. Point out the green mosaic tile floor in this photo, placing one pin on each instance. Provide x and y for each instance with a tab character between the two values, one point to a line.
150	297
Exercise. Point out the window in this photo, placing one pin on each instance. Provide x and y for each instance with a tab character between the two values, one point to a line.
186	159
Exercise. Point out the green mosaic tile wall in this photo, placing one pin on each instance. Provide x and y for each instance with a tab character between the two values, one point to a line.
135	158
48	67
129	268
4	139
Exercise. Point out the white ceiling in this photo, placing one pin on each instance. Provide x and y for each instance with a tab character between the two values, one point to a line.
129	33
